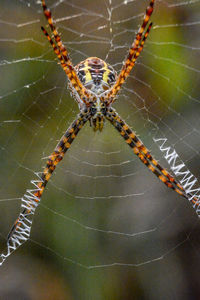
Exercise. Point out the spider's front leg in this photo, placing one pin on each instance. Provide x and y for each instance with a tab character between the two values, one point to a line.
21	227
65	61
144	154
133	54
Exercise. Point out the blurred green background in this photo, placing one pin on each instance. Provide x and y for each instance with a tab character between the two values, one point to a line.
106	227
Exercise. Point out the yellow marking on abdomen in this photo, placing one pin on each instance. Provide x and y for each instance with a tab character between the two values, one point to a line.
88	76
106	73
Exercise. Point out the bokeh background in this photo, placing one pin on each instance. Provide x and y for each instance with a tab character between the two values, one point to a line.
106	227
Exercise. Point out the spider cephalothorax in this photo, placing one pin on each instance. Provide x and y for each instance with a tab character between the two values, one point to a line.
98	111
95	85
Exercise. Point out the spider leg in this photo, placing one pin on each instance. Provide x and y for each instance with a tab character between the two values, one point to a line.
145	156
56	35
57	155
63	56
132	137
133	54
56	51
70	72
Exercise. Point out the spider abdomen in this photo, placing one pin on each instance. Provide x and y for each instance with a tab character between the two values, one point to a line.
96	75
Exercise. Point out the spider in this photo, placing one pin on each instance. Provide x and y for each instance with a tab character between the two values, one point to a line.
95	85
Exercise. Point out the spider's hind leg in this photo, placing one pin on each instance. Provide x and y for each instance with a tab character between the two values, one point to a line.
143	153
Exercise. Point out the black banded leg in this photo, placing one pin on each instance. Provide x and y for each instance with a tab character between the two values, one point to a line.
132	140
58	154
133	53
63	56
142	148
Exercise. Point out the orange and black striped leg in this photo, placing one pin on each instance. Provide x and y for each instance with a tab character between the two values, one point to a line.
133	53
69	70
141	147
56	35
143	154
58	154
129	64
63	56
